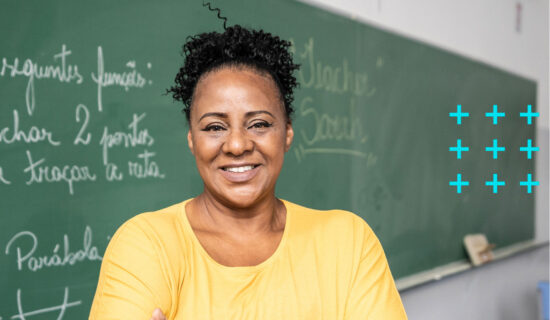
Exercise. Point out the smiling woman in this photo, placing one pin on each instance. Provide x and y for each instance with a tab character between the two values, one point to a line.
236	251
239	133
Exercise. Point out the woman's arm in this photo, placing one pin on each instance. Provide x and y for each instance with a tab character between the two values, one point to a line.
373	294
132	281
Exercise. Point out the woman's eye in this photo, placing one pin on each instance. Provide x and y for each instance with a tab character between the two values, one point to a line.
213	128
259	125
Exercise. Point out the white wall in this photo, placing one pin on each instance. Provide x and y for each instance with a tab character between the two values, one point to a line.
483	30
501	290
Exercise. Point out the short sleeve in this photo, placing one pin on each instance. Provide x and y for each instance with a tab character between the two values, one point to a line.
373	293
132	280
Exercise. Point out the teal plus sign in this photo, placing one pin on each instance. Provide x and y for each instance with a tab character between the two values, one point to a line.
459	114
495	183
459	183
459	148
494	149
494	114
529	115
529	183
529	149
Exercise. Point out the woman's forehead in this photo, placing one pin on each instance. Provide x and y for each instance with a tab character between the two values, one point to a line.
232	89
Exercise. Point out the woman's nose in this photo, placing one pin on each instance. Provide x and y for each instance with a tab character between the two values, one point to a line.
237	143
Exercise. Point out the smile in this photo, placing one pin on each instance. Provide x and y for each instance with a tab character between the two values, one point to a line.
239	169
240	174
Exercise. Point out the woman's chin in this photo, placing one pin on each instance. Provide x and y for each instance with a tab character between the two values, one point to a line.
242	201
239	198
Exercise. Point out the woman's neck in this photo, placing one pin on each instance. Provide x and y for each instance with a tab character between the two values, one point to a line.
265	216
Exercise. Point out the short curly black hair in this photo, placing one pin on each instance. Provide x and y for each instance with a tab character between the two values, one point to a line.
237	46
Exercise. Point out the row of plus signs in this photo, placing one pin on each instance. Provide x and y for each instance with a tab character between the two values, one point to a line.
495	183
495	149
495	114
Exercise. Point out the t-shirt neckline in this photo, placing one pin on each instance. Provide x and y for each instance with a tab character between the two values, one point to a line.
239	269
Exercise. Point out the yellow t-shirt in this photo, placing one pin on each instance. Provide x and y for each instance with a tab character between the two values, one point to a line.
328	265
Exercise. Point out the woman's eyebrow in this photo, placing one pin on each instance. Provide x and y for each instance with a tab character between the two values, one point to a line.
213	114
224	115
253	113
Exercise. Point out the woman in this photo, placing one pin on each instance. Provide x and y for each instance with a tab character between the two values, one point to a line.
236	251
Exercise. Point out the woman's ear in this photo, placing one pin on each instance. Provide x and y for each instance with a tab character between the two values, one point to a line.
190	141
289	136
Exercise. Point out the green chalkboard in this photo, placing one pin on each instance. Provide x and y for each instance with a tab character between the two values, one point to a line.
88	139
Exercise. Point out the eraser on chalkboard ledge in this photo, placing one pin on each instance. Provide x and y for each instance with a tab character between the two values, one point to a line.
478	248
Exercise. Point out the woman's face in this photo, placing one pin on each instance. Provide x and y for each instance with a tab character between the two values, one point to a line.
238	134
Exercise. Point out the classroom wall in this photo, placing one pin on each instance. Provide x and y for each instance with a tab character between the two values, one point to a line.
508	34
502	290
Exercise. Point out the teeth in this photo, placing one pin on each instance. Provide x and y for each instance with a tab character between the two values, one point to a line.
239	169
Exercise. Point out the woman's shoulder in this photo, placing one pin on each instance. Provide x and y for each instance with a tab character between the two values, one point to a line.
152	228
158	219
144	259
334	221
341	233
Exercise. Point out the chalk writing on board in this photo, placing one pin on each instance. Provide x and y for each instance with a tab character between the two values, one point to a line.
33	134
145	168
332	132
26	259
61	71
79	138
132	138
335	79
301	152
22	315
40	173
127	80
112	172
329	127
2	178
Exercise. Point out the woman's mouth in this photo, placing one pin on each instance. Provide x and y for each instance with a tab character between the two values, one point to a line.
239	173
239	169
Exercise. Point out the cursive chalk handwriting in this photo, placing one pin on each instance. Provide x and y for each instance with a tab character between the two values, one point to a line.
146	169
32	135
27	258
3	179
127	80
335	79
330	127
135	137
32	70
70	174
